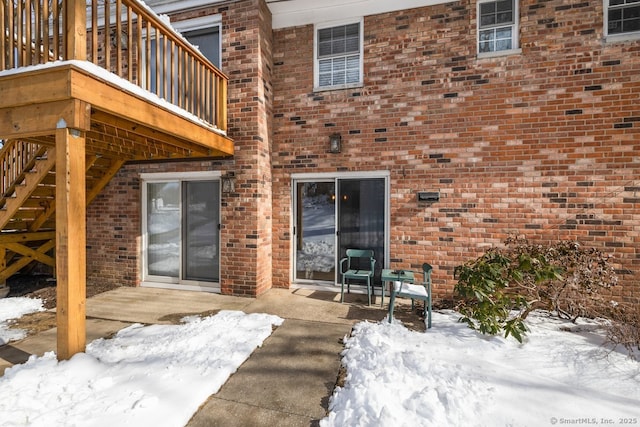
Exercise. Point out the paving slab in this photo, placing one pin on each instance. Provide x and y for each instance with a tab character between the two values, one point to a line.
316	306
288	380
158	306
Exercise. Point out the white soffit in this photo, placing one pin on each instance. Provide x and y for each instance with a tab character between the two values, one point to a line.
290	13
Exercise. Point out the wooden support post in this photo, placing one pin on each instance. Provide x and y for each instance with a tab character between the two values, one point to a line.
4	289
71	230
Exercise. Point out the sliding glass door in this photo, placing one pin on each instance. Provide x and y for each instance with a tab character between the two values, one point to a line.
333	215
361	221
181	229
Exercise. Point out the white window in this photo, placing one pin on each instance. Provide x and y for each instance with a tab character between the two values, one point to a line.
497	26
622	17
338	56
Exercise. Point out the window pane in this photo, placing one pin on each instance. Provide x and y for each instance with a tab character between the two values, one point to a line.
495	13
325	66
338	46
324	35
487	38
324	48
352	45
353	76
487	8
631	12
505	18
624	19
163	229
631	25
338	32
324	80
353	30
208	41
201	260
503	33
503	44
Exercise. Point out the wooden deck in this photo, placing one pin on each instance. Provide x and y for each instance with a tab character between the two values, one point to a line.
75	106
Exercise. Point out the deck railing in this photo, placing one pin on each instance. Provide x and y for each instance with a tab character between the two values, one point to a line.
122	36
16	159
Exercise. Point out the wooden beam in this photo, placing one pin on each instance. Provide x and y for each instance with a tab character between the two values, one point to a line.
41	119
26	237
71	236
31	253
16	266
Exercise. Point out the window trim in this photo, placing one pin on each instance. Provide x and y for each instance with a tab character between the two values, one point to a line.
620	37
316	65
515	40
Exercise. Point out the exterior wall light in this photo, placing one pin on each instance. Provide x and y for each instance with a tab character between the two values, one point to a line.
228	184
335	142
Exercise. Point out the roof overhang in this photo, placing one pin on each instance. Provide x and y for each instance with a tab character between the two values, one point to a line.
291	13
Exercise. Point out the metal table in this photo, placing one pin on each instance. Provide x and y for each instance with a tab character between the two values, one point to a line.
389	275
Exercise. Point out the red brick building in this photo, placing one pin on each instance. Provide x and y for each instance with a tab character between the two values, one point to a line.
459	124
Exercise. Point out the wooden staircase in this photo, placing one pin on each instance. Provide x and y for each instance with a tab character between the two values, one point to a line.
28	202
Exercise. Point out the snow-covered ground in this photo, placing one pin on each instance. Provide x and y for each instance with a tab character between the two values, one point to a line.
14	308
448	376
151	376
452	376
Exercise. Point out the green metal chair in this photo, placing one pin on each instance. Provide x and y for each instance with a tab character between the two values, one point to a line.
360	265
415	292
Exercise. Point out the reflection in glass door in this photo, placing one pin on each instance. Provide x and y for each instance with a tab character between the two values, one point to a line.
315	231
163	229
200	232
333	216
361	221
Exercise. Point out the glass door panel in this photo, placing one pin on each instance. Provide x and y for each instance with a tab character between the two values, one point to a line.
201	234
163	229
315	231
361	221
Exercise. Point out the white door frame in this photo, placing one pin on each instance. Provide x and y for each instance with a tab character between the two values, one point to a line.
335	176
163	281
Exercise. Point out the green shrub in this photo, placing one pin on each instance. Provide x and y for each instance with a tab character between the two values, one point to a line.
499	289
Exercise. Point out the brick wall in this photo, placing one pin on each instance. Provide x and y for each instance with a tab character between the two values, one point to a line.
543	144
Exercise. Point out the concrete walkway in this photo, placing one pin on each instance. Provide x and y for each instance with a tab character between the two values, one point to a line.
286	382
